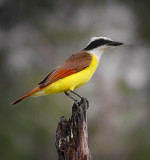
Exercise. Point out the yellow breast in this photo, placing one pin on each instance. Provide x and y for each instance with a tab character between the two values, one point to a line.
71	82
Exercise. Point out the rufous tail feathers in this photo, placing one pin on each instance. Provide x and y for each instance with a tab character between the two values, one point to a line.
26	95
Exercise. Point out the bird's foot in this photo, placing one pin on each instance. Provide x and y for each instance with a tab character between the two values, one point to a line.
84	100
76	102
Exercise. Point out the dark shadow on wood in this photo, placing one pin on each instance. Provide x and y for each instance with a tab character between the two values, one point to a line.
72	135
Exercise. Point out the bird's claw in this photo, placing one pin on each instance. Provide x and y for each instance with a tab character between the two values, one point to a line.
85	100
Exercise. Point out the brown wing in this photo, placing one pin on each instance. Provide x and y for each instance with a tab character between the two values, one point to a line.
77	62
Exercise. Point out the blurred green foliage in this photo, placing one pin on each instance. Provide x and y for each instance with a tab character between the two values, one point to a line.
142	12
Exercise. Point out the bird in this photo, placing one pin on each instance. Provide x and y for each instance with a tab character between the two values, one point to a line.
74	72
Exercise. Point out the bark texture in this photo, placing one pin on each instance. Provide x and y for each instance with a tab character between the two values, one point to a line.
72	136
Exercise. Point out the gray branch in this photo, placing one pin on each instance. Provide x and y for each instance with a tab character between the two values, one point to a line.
72	135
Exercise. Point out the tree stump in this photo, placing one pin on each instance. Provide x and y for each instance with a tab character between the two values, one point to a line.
72	135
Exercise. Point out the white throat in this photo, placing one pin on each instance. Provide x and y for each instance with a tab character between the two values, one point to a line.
97	52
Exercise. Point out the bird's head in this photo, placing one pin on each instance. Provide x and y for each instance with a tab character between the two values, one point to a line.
101	43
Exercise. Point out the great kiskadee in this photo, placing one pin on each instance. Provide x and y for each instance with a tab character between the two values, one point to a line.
75	71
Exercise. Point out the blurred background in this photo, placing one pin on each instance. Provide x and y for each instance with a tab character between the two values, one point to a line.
37	35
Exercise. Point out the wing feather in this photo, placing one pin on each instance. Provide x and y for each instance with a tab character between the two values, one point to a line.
76	63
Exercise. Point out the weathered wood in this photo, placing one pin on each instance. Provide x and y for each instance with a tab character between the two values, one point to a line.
72	136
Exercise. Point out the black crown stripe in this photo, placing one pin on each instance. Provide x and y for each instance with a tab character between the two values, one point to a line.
96	43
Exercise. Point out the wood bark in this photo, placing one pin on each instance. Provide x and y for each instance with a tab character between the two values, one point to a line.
72	135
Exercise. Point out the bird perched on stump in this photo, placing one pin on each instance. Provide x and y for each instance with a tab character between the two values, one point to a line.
74	72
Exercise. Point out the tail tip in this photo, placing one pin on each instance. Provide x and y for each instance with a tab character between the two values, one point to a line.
13	103
17	101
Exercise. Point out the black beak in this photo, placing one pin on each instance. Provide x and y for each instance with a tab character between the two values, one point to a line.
114	43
